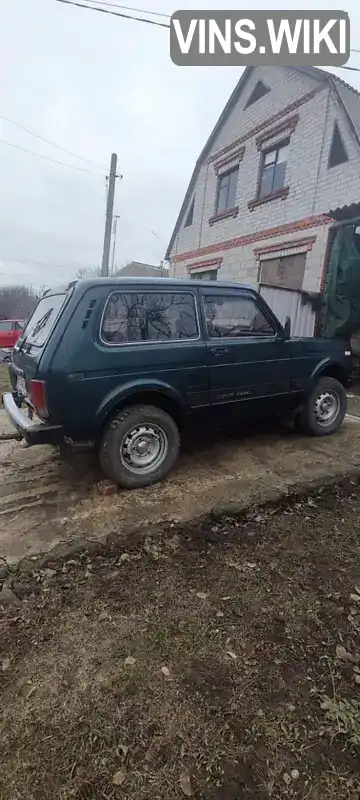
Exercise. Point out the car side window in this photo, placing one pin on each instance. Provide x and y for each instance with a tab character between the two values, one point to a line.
234	317
5	325
149	317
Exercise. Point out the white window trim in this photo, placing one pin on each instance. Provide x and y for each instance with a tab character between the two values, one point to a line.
289	251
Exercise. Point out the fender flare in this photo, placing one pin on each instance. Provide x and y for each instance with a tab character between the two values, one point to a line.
325	364
114	398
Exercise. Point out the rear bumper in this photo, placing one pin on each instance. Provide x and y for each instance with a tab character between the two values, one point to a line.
32	432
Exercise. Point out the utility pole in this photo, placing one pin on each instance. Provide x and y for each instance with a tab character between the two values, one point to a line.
109	216
116	217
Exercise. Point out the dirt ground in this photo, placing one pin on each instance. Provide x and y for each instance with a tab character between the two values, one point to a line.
180	654
221	663
45	502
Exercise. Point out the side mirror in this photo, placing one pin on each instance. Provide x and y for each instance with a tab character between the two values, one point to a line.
287	328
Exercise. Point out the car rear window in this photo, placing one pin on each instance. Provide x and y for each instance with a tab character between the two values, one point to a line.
43	319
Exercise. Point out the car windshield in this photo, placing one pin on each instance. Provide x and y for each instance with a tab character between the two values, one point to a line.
43	319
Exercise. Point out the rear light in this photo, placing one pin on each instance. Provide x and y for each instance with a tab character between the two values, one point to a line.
38	397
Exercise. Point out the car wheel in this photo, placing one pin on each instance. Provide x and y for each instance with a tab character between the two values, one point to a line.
325	408
139	446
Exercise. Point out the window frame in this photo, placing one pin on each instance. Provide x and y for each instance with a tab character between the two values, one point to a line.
234	296
220	177
24	334
197	275
263	267
151	342
275	148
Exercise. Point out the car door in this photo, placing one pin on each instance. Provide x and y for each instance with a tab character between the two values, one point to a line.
15	333
6	333
248	357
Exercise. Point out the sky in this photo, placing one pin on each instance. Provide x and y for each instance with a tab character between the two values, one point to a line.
97	84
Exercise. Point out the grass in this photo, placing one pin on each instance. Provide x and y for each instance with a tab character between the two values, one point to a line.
218	663
4	379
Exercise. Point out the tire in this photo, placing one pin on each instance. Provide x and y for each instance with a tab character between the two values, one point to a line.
121	460
324	409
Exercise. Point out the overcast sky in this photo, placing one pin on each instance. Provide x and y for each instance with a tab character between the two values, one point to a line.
95	84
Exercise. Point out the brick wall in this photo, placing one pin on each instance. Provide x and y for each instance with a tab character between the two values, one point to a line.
242	264
313	188
339	185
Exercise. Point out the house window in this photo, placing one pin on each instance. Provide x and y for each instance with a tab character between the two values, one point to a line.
226	191
234	317
286	272
273	168
190	214
149	317
259	91
208	275
338	154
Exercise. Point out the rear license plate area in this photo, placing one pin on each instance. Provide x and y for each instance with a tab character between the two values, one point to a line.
21	387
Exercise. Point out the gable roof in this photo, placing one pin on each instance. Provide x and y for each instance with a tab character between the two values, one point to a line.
347	96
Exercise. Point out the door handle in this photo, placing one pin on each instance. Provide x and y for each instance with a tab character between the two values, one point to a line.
218	351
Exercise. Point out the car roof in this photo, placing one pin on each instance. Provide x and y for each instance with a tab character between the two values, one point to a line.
163	282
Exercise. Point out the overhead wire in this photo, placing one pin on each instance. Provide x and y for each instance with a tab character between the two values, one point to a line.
142	19
48	141
115	13
54	160
130	8
353	69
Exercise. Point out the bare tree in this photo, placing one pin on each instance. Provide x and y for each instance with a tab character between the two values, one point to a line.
17	302
88	272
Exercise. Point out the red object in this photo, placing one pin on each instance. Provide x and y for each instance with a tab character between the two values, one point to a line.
38	397
10	330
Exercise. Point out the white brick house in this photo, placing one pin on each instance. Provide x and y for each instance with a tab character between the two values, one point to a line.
285	150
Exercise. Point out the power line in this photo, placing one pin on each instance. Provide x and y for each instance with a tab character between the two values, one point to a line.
47	158
142	19
130	8
42	138
152	13
353	69
115	13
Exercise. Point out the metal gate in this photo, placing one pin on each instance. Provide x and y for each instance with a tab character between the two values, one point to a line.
287	303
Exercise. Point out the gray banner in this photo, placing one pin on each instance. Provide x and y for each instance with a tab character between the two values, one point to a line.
269	38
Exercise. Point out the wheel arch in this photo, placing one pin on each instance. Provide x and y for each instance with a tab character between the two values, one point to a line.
330	369
158	395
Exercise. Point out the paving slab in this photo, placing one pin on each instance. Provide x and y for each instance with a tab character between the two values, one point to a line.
45	502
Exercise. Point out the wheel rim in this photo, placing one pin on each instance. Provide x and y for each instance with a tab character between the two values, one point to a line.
327	406
144	448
